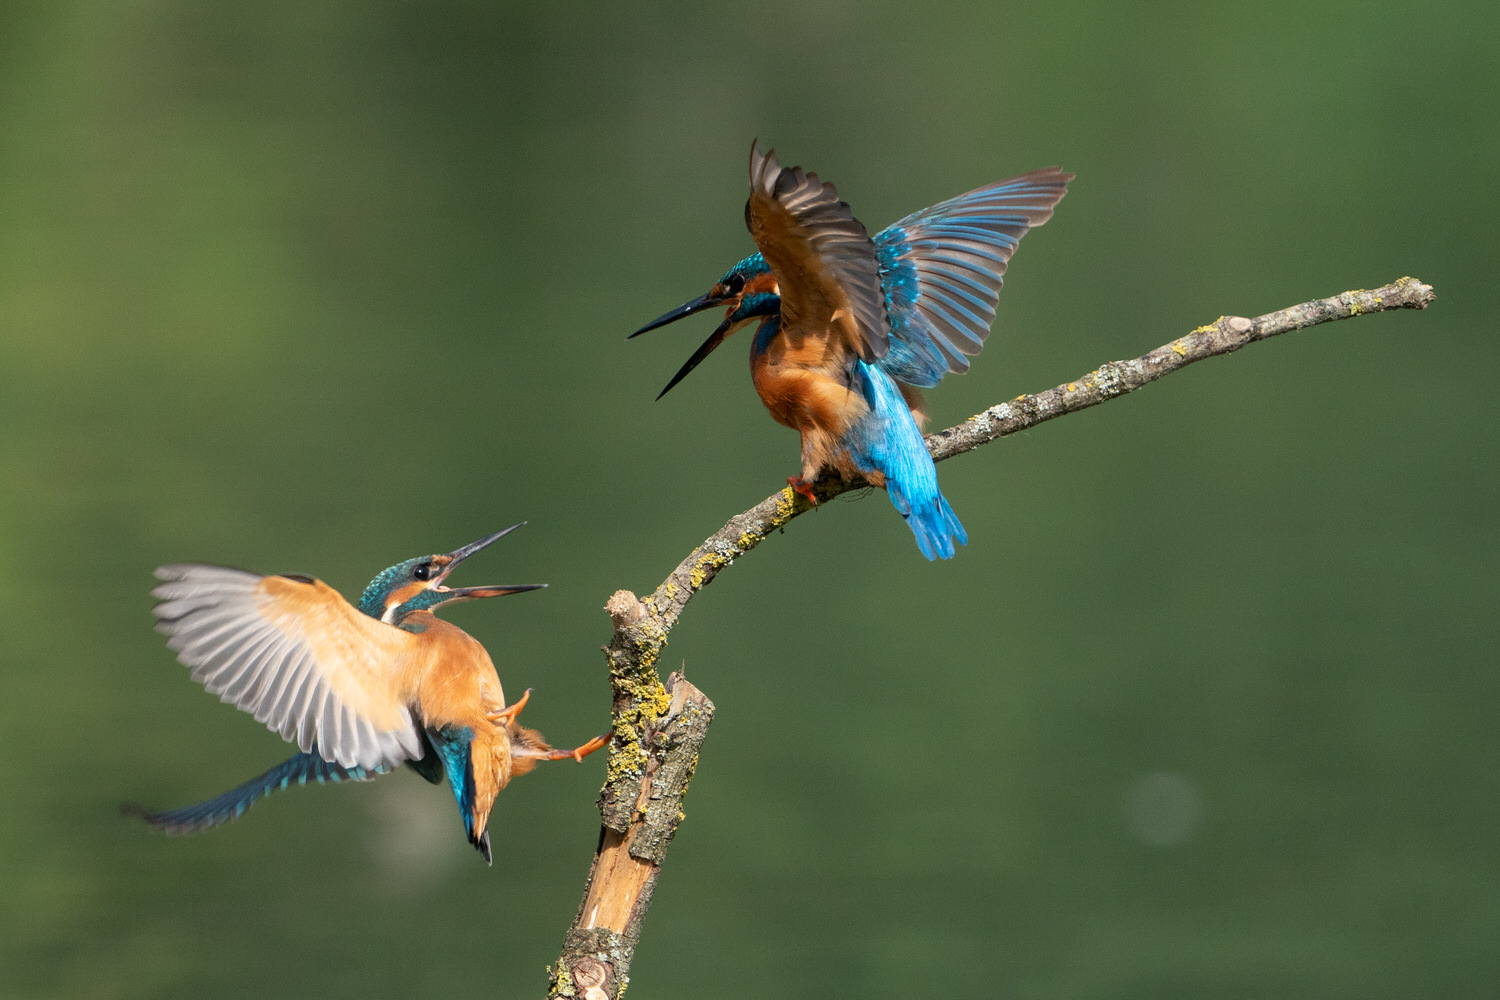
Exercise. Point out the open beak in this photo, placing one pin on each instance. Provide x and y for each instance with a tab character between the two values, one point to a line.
465	593
699	304
716	338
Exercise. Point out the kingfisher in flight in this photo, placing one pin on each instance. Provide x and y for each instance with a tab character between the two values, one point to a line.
851	329
359	688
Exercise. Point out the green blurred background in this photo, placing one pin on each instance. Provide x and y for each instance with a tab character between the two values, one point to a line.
1206	707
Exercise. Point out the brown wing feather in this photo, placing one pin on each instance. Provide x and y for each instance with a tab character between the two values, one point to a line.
823	259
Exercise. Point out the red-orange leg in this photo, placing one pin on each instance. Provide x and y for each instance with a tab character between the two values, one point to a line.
578	753
800	485
508	715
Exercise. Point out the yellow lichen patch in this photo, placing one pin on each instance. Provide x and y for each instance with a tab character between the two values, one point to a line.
786	506
647	691
656	704
646	648
789	504
648	658
1072	386
1179	349
627	758
699	576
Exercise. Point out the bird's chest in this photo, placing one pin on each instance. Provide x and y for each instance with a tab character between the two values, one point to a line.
807	385
457	683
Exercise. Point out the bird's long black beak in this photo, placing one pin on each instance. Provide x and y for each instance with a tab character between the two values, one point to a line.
459	555
466	593
699	304
704	350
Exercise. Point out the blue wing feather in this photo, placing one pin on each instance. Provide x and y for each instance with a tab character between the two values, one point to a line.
300	769
942	269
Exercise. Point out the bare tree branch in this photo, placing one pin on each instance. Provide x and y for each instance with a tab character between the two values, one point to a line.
659	728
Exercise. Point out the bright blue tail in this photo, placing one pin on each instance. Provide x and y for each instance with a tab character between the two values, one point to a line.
889	442
933	522
233	803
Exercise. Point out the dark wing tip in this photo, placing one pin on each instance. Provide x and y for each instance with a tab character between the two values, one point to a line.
832	233
164	820
761	163
790	180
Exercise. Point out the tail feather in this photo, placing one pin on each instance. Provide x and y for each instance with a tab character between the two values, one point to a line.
933	523
483	843
455	748
888	441
233	803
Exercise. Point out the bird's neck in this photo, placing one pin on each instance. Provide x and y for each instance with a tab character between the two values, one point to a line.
417	622
372	601
769	327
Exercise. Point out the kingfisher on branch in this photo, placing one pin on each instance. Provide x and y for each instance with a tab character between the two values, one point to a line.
359	688
852	329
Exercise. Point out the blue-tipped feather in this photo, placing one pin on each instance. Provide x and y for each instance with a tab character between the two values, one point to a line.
232	804
942	269
888	441
453	746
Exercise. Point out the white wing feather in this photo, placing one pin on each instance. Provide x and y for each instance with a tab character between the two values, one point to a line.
296	656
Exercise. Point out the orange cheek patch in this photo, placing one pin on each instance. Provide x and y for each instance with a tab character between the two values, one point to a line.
765	282
401	595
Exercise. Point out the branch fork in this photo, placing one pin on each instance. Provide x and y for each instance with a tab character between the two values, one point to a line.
659	728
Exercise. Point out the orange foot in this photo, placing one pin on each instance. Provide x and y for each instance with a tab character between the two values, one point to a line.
508	715
800	485
597	743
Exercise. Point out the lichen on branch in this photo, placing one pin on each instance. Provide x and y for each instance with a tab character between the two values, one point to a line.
659	728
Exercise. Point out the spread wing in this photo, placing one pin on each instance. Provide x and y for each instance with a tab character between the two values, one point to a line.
293	653
943	267
824	262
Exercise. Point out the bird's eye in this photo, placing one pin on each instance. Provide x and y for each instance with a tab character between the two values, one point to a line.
735	284
423	572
